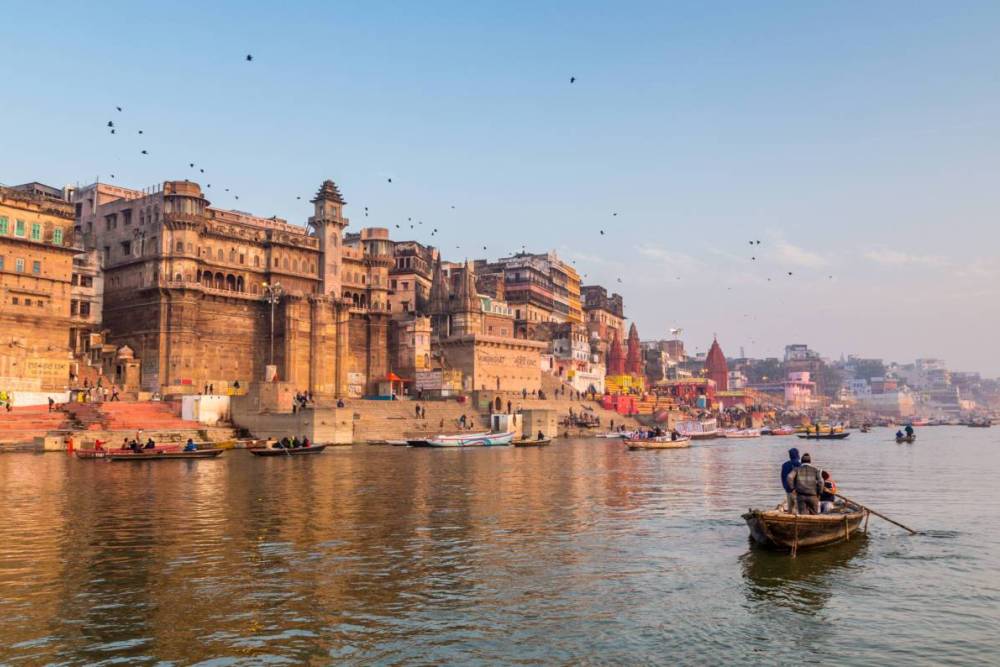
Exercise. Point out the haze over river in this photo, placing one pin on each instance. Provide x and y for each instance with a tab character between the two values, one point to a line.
581	551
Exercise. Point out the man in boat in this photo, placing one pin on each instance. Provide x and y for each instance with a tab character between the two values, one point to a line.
899	435
807	482
909	430
150	444
828	497
541	436
786	468
190	446
305	441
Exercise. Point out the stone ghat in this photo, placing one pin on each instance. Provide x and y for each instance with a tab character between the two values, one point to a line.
22	425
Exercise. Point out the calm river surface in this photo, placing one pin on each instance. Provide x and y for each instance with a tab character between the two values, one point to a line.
579	552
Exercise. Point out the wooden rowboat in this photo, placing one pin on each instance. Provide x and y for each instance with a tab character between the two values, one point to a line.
659	443
162	456
779	529
838	435
291	451
906	438
532	443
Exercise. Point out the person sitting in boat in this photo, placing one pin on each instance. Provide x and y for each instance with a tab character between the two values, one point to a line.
190	446
909	430
786	468
295	442
150	444
899	435
305	441
135	446
828	496
674	435
807	482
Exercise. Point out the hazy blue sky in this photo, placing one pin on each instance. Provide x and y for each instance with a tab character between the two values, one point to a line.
854	140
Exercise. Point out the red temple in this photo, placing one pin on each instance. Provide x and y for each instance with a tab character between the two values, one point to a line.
716	368
616	358
633	362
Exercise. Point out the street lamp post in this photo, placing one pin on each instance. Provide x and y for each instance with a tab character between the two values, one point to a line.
272	294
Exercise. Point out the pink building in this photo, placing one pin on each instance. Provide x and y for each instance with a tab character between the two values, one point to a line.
800	392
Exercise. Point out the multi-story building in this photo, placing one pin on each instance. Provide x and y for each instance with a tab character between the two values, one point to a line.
207	296
474	334
410	279
605	319
36	290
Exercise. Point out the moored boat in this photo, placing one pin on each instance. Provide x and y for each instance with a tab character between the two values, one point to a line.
905	438
779	529
660	442
104	452
782	430
836	435
698	429
418	443
289	451
154	455
611	435
741	433
472	440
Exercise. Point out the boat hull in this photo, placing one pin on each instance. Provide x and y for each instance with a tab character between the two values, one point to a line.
264	451
532	443
163	456
475	440
909	438
777	529
741	434
657	443
824	436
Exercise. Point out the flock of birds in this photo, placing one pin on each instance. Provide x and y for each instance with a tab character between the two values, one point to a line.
113	128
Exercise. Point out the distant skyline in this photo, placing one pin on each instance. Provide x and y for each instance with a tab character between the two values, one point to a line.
858	142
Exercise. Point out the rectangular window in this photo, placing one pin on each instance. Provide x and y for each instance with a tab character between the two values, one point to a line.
406	285
393	284
74	307
86	281
84	309
27	302
57	236
36	232
1	262
126	248
19	265
41	304
14	300
19	228
36	268
4	225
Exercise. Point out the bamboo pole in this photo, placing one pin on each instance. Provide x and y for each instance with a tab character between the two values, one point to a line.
881	516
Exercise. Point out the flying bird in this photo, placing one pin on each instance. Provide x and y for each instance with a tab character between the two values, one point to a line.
119	108
112	131
249	57
390	180
140	131
145	152
111	123
619	280
602	232
789	273
615	214
191	164
202	171
572	79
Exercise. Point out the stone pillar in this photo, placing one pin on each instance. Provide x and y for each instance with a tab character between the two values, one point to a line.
343	345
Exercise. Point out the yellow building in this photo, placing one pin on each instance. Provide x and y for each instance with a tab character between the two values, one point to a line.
36	269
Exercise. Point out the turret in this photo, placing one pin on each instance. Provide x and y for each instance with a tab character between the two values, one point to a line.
328	223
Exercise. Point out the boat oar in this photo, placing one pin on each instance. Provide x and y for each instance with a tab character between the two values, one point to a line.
846	499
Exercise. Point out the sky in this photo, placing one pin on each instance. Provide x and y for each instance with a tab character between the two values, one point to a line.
859	142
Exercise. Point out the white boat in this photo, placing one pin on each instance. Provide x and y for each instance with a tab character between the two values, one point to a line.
614	434
472	440
698	429
741	433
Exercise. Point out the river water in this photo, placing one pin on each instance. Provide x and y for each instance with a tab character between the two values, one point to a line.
579	552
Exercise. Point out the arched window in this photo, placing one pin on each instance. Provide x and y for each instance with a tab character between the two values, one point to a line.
253	288
295	265
256	261
231	282
274	262
178	277
220	281
221	255
206	279
285	262
180	246
232	254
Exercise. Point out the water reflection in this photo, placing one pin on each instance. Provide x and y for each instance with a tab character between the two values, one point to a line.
802	584
577	552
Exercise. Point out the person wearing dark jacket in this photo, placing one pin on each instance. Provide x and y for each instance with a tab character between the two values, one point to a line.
807	482
787	467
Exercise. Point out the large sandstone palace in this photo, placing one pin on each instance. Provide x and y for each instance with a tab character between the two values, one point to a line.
185	286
